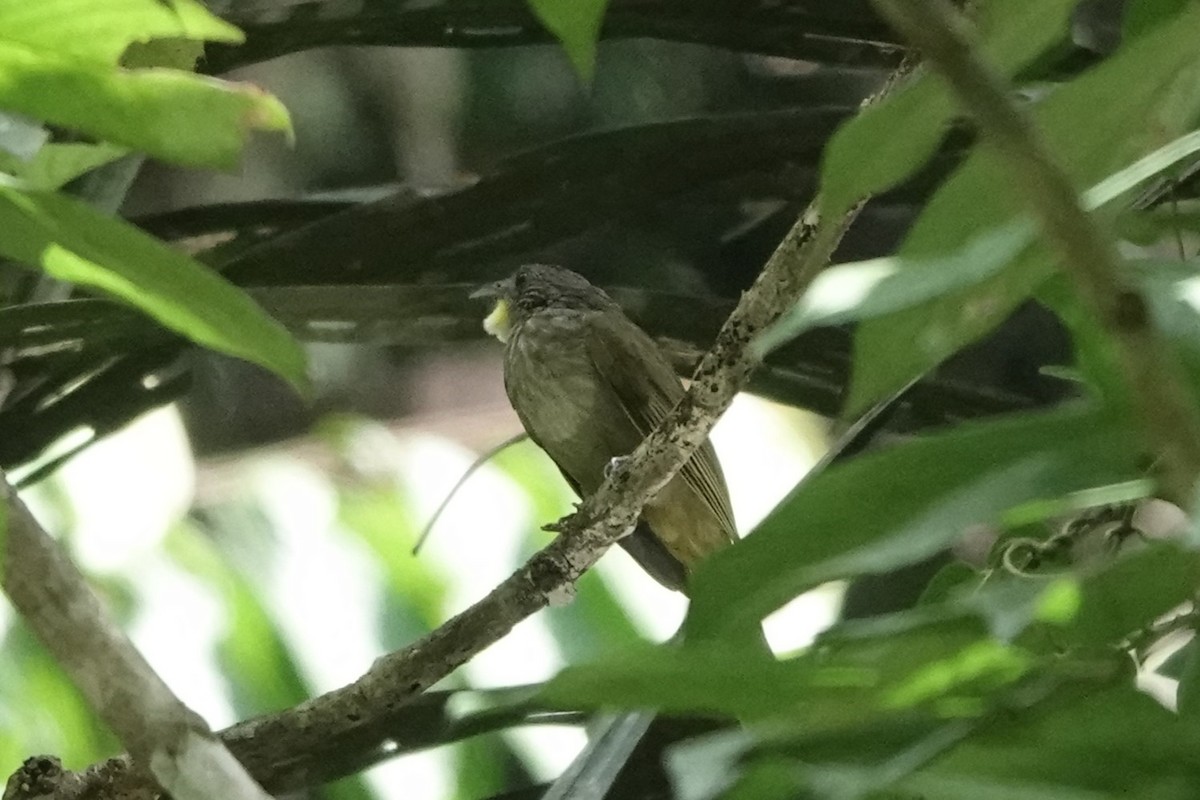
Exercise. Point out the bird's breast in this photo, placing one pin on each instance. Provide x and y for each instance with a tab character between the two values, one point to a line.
550	378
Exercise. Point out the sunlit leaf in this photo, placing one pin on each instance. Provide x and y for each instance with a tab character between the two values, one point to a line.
176	116
72	242
101	31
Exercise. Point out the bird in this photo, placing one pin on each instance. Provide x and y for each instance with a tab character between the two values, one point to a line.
588	385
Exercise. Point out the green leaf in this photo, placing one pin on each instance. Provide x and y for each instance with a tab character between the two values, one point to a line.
885	143
72	242
869	289
1130	594
1144	15
100	32
1132	103
1117	742
59	163
1187	697
576	24
886	509
880	286
947	581
174	115
853	673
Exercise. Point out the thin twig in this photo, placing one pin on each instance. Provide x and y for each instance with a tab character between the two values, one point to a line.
1168	416
483	458
162	734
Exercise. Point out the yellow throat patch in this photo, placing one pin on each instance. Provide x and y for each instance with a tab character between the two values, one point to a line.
498	323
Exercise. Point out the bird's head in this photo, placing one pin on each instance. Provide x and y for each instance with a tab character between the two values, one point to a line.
533	288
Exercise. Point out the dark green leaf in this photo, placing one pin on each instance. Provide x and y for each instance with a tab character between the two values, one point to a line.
1137	100
1130	594
885	143
72	242
901	505
1117	742
947	581
1144	15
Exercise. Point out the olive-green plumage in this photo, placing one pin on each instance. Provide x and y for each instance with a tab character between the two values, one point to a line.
589	385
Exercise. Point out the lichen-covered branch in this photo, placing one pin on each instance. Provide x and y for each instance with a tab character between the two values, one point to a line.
1089	256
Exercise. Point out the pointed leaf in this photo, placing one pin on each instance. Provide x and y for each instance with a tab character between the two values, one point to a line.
74	243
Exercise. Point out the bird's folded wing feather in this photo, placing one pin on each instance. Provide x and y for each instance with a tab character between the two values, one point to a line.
648	394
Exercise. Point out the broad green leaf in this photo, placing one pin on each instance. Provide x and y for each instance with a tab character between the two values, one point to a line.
1143	15
1137	100
576	24
851	674
898	506
73	243
885	143
1117	742
59	163
177	116
880	286
99	31
1054	741
1113	602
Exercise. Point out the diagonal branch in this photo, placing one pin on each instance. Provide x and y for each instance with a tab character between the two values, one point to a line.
1090	257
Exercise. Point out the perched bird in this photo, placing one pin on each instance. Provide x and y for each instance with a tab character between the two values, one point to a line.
588	385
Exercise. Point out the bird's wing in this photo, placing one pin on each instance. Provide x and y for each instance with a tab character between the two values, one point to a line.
648	394
646	548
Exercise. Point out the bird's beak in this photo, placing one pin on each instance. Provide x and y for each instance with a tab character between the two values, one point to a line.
498	323
489	291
